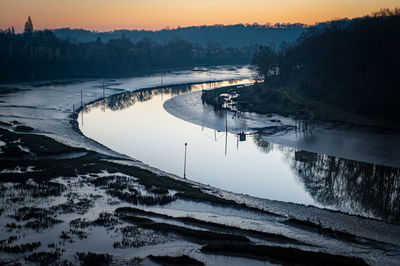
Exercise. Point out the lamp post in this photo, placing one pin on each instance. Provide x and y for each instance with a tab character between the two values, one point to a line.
184	163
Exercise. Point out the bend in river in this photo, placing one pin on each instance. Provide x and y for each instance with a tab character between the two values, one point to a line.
239	159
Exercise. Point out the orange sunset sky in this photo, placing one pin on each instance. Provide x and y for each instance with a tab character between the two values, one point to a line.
106	15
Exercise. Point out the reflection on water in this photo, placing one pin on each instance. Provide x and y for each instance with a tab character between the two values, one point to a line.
136	124
361	187
126	99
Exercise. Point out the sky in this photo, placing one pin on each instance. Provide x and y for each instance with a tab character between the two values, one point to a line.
107	15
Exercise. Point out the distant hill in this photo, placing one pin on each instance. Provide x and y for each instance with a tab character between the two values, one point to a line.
228	36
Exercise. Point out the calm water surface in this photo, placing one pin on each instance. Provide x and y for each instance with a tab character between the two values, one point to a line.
136	124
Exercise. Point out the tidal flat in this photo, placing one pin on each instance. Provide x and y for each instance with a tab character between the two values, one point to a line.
87	209
68	200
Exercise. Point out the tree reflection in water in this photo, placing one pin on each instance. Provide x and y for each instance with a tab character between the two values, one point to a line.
124	100
347	185
127	99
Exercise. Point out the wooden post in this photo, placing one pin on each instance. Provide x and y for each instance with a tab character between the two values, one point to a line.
184	163
82	106
226	132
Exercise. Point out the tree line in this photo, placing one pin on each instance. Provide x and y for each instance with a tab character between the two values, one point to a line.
238	35
35	55
351	64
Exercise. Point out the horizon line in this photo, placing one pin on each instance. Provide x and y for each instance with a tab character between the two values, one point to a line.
166	28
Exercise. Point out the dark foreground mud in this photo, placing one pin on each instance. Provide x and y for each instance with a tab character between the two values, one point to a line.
90	210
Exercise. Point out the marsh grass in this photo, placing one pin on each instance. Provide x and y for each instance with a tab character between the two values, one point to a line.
281	255
207	225
181	260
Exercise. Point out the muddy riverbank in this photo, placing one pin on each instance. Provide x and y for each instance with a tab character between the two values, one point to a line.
68	200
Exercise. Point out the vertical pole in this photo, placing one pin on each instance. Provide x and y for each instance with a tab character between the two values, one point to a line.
184	164
226	132
82	106
226	121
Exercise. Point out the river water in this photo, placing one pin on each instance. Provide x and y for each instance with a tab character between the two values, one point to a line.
135	123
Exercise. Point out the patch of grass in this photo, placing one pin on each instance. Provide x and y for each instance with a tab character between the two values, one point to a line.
248	232
140	199
137	220
5	124
105	219
136	211
23	128
12	151
121	188
329	232
80	206
79	233
42	223
211	96
259	98
39	217
134	236
27	213
42	189
80	223
90	259
158	190
43	258
199	236
181	260
13	226
8	241
205	224
20	248
196	195
39	144
281	255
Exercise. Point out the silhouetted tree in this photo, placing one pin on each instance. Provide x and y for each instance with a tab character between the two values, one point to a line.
41	55
99	41
265	60
350	64
28	29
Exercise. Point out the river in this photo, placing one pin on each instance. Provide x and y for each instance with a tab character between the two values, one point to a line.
135	123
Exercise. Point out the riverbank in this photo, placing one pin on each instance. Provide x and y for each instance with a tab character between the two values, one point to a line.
261	99
358	143
64	203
